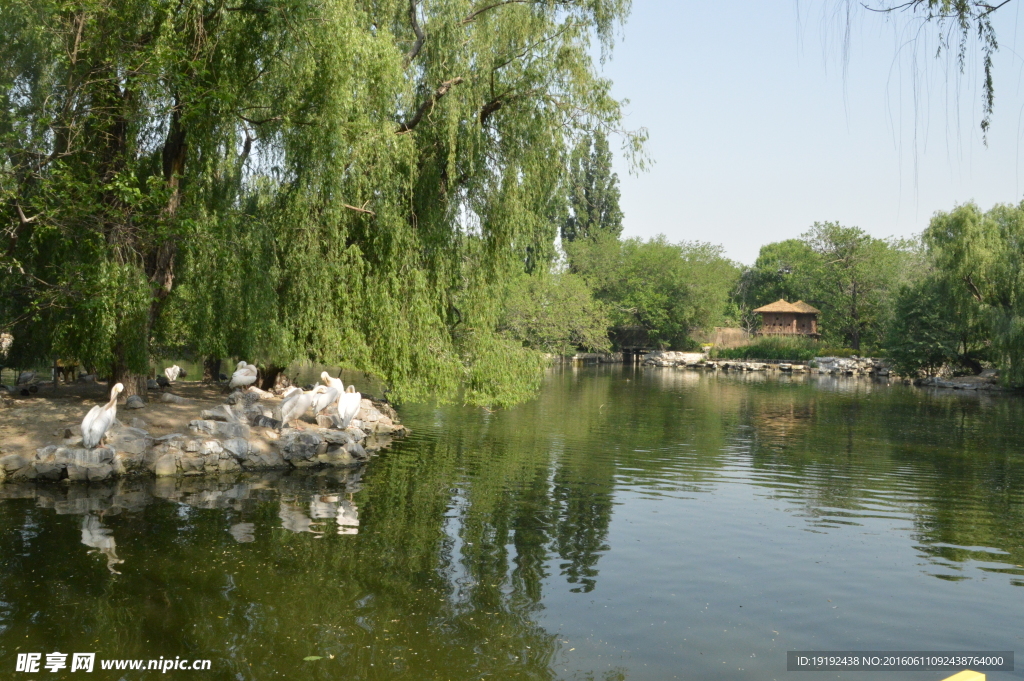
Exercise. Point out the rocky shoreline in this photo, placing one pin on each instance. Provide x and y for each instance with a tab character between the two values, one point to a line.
834	366
240	435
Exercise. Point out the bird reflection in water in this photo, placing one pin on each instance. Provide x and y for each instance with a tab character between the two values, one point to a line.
348	517
294	520
243	532
101	539
322	507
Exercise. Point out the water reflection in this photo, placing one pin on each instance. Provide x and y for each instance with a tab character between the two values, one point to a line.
101	540
571	537
243	532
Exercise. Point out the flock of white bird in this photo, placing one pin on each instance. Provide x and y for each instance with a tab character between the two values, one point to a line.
296	404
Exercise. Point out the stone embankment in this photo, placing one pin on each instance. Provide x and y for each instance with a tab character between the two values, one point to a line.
587	358
835	366
986	381
243	434
847	366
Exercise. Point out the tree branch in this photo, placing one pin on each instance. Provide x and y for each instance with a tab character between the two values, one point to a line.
473	15
488	109
969	280
428	105
420	36
360	210
21	215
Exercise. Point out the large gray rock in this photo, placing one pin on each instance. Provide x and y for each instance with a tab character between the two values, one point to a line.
130	440
47	453
219	428
252	412
336	437
267	422
337	455
243	398
356	450
100	472
165	466
210	447
78	473
48	471
238	447
134	402
125	463
370	414
170	438
221	412
328	420
173	399
300	446
80	456
27	472
228	466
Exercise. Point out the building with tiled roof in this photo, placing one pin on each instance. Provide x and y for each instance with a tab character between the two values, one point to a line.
788	319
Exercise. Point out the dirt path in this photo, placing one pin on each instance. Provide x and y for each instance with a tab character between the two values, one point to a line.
28	423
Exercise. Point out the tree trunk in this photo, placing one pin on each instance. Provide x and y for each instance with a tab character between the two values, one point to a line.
134	384
271	377
211	370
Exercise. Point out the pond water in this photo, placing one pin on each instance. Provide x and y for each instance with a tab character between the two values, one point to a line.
626	524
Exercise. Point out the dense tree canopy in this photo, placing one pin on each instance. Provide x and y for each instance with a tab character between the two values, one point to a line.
592	191
843	271
981	257
336	180
658	294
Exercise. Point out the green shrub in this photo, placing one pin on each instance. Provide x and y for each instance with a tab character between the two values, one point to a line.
792	348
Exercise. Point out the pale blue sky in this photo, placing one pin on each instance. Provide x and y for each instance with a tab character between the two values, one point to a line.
756	133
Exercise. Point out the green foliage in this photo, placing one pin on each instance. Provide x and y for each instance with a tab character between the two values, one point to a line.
593	192
792	348
658	293
555	313
926	332
849	275
980	256
344	181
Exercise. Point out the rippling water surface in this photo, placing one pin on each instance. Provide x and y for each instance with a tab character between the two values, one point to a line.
626	524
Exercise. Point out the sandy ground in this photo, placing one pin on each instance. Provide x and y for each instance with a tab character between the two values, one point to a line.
27	423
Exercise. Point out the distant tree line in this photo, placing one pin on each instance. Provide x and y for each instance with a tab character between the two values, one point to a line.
954	298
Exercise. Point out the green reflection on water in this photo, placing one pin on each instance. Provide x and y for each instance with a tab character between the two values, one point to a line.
440	559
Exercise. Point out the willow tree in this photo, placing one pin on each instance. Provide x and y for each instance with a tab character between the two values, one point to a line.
342	181
981	256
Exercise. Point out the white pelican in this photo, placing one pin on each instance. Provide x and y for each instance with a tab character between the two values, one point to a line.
332	382
245	375
348	405
296	406
324	397
96	422
172	373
